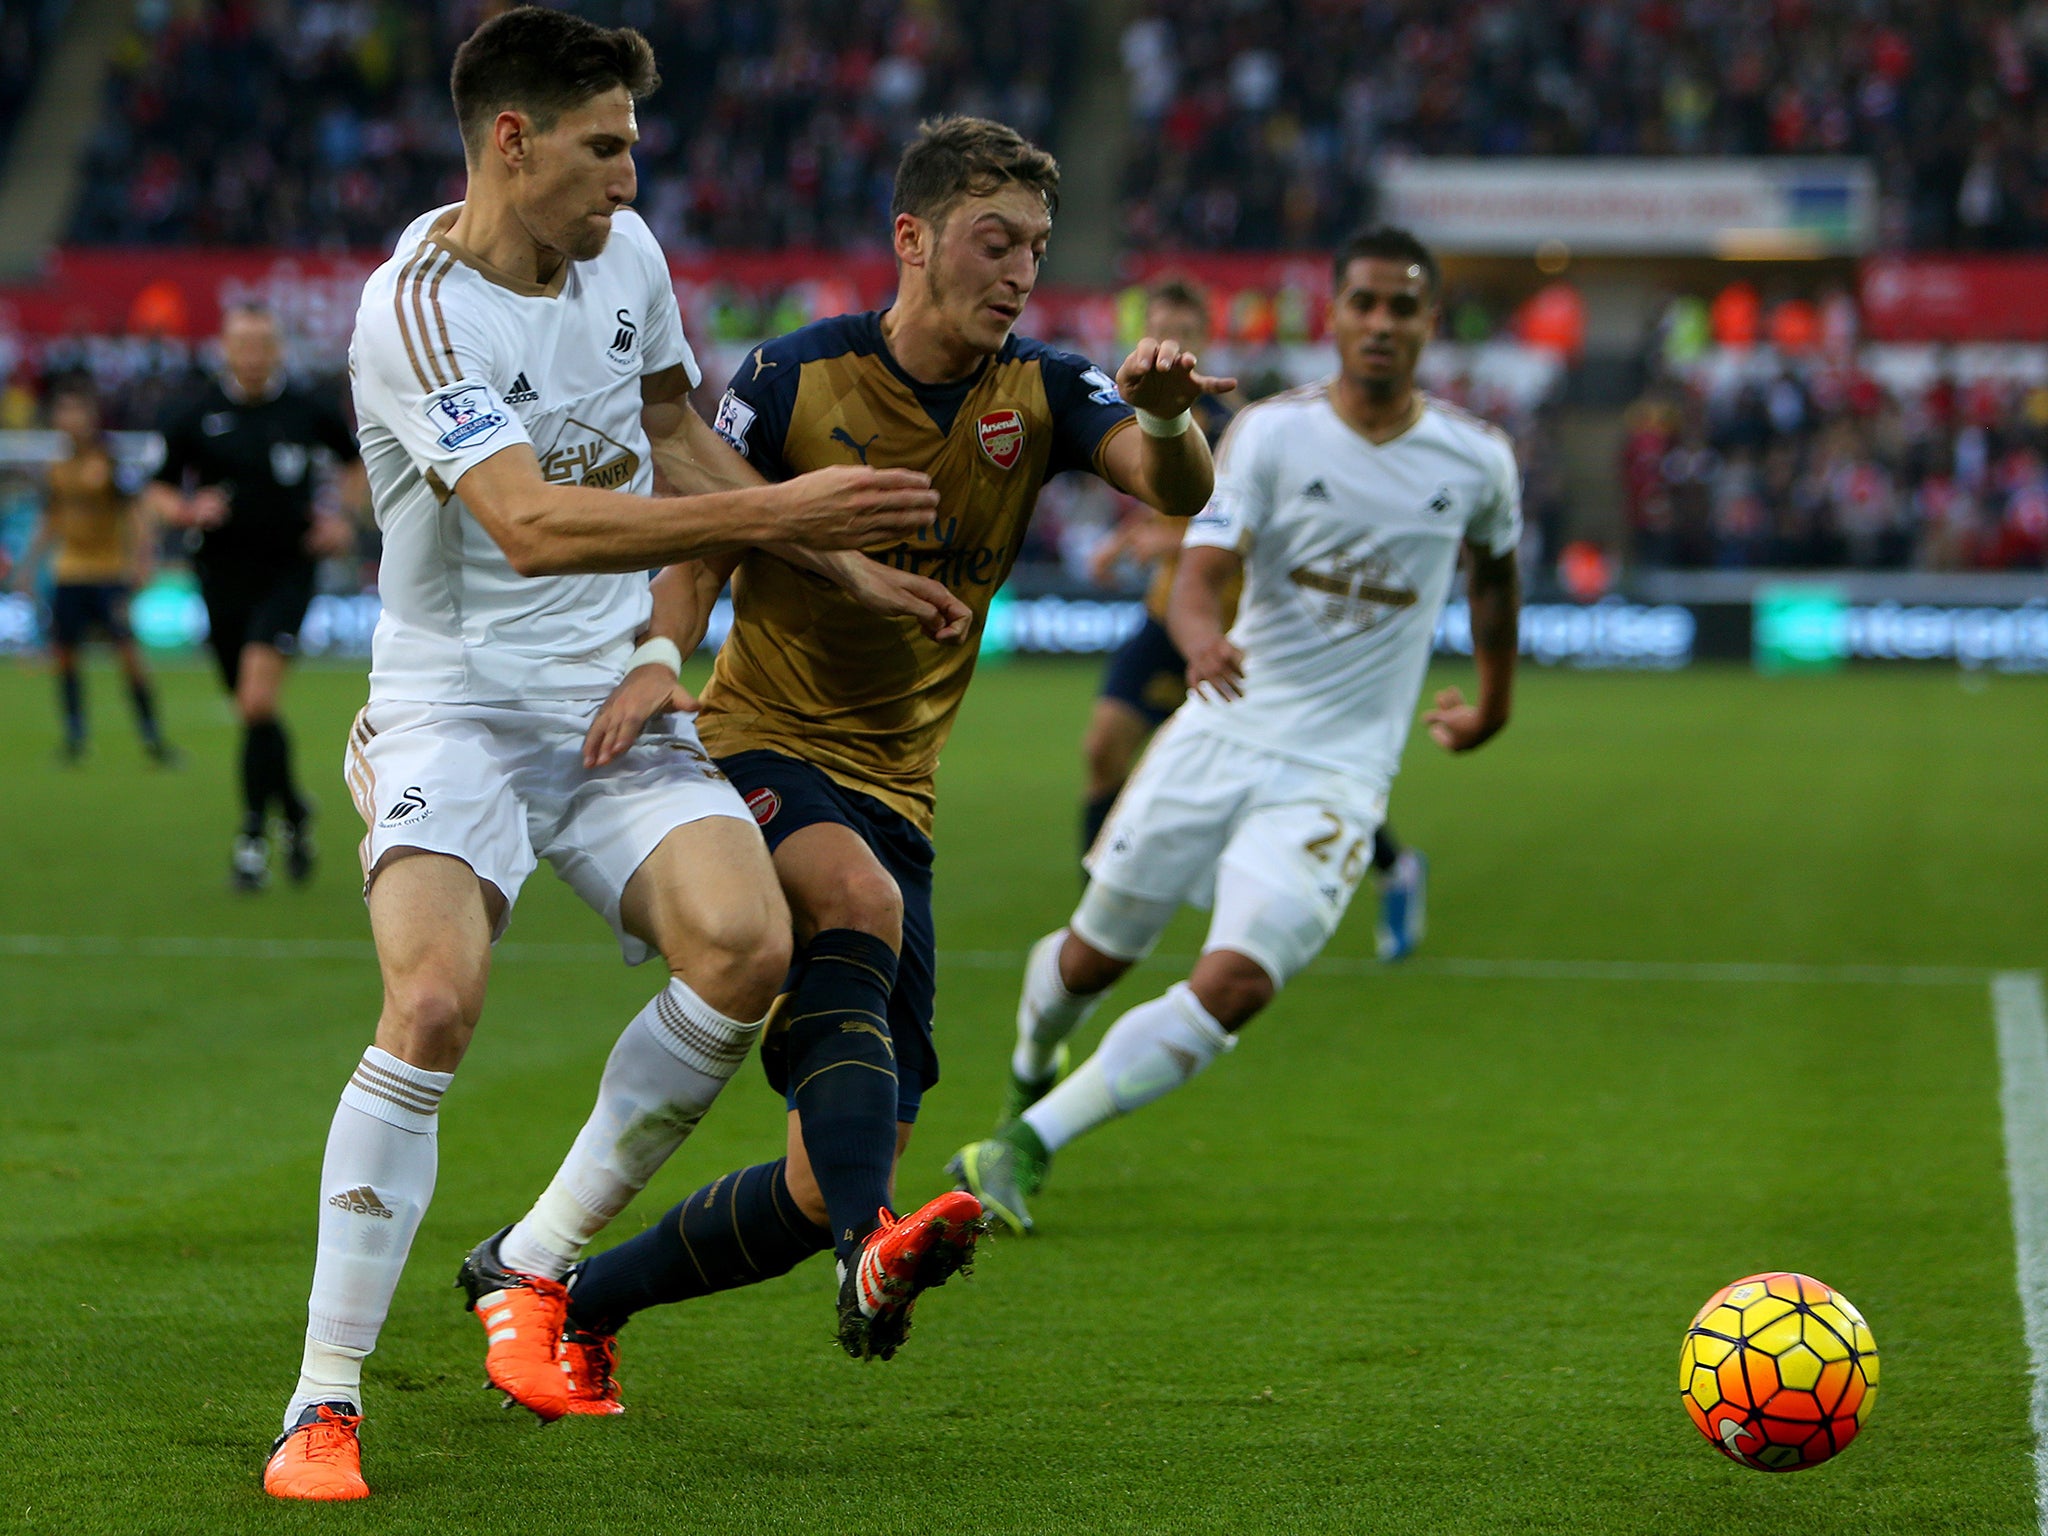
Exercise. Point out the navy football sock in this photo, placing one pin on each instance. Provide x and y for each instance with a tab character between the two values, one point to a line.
1386	848
740	1230
71	693
144	699
842	1067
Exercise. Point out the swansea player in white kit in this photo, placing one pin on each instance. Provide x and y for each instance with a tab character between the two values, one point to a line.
1346	506
520	371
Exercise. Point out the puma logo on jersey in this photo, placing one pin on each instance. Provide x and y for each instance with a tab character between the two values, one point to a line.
761	363
521	392
841	435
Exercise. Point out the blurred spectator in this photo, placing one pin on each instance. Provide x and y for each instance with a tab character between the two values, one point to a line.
1256	125
325	123
1811	461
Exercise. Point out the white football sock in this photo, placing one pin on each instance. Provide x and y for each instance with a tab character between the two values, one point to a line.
1046	1011
375	1183
662	1076
1146	1054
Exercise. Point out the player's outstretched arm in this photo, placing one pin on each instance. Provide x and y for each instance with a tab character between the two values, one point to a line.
548	529
693	459
1165	463
1194	617
1494	592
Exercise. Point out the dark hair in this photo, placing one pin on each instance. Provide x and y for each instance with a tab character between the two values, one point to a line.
1390	244
543	63
74	386
1180	292
956	157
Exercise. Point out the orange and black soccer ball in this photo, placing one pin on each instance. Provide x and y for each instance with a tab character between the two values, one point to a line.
1778	1371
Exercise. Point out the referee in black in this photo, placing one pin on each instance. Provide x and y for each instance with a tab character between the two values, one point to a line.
238	475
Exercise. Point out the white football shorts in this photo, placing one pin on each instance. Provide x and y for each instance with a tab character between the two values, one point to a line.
1273	845
502	788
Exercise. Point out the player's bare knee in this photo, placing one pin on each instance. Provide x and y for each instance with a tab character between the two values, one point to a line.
864	899
427	1021
739	964
1086	970
1234	988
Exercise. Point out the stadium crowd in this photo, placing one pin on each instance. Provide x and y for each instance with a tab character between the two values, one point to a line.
1256	126
323	124
1820	464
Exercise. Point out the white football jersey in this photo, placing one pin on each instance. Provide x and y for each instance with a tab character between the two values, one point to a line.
1349	549
453	361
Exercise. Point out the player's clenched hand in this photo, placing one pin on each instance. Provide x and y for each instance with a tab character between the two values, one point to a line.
1160	377
882	588
1216	669
849	506
642	694
1457	726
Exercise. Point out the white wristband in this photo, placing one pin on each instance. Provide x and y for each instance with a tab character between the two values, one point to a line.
657	652
1164	426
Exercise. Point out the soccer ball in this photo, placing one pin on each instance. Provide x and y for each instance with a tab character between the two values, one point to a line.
1778	1371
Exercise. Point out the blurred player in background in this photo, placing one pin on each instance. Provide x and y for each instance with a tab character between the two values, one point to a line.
520	369
1146	678
100	538
1344	508
831	721
240	474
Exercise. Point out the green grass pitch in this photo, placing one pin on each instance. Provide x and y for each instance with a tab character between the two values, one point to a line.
1416	1259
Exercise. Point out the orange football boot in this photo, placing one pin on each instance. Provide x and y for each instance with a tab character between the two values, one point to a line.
319	1457
591	1361
899	1261
523	1316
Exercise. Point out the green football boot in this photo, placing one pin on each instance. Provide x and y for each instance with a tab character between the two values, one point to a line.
1003	1173
1023	1092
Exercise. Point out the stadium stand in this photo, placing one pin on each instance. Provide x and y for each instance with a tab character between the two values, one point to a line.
26	28
1761	461
1255	127
324	125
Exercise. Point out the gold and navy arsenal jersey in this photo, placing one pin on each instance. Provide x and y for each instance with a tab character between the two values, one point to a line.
88	512
805	670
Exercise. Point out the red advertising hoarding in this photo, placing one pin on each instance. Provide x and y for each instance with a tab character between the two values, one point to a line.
1955	298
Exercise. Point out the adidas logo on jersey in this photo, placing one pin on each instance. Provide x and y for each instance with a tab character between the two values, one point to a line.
1315	490
521	392
363	1201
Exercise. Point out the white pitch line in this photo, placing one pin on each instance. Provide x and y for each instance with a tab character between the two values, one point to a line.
191	947
2022	1018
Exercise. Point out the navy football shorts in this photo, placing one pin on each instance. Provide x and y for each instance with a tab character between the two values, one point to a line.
786	795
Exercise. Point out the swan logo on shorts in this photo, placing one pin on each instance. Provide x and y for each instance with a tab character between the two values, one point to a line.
409	808
464	416
1002	437
764	803
1349	592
